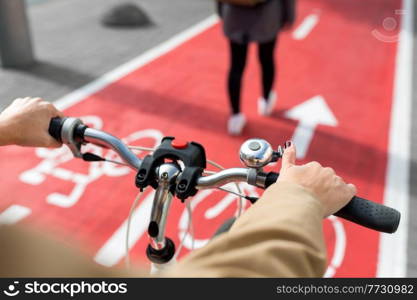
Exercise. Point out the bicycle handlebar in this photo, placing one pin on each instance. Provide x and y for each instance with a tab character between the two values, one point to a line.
101	138
360	211
79	133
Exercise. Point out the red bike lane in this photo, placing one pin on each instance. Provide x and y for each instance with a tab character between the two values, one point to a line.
335	93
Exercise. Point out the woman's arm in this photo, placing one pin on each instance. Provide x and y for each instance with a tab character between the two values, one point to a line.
5	134
280	236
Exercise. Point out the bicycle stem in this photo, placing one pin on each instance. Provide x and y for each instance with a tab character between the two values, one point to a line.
166	177
167	174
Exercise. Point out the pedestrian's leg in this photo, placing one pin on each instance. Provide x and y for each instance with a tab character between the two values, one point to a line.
266	58
238	53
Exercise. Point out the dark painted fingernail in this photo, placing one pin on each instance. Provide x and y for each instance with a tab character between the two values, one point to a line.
287	144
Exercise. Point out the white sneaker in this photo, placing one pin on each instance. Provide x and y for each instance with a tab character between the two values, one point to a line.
236	124
265	107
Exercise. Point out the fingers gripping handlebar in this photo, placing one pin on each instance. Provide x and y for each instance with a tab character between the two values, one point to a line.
369	214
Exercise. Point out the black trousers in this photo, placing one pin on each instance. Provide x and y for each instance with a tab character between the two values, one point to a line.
238	55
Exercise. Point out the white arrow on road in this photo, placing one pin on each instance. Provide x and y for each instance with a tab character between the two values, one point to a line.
311	113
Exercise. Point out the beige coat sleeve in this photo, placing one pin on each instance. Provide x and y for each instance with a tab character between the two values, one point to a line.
28	253
280	236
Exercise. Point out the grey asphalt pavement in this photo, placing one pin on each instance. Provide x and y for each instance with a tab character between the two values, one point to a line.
78	48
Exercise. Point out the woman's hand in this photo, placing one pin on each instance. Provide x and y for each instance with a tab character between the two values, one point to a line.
329	188
26	121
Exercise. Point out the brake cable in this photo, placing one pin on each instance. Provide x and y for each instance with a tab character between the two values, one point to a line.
250	198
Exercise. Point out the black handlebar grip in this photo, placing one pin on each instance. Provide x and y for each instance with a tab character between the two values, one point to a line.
271	178
55	127
370	214
361	211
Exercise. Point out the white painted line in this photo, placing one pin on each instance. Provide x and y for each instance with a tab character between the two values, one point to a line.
145	58
114	249
305	28
392	260
14	214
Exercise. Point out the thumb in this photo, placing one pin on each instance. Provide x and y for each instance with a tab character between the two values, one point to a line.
288	158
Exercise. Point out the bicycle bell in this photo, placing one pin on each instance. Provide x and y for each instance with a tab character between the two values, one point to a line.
256	153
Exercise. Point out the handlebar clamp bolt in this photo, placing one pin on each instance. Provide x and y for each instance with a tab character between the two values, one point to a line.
182	186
